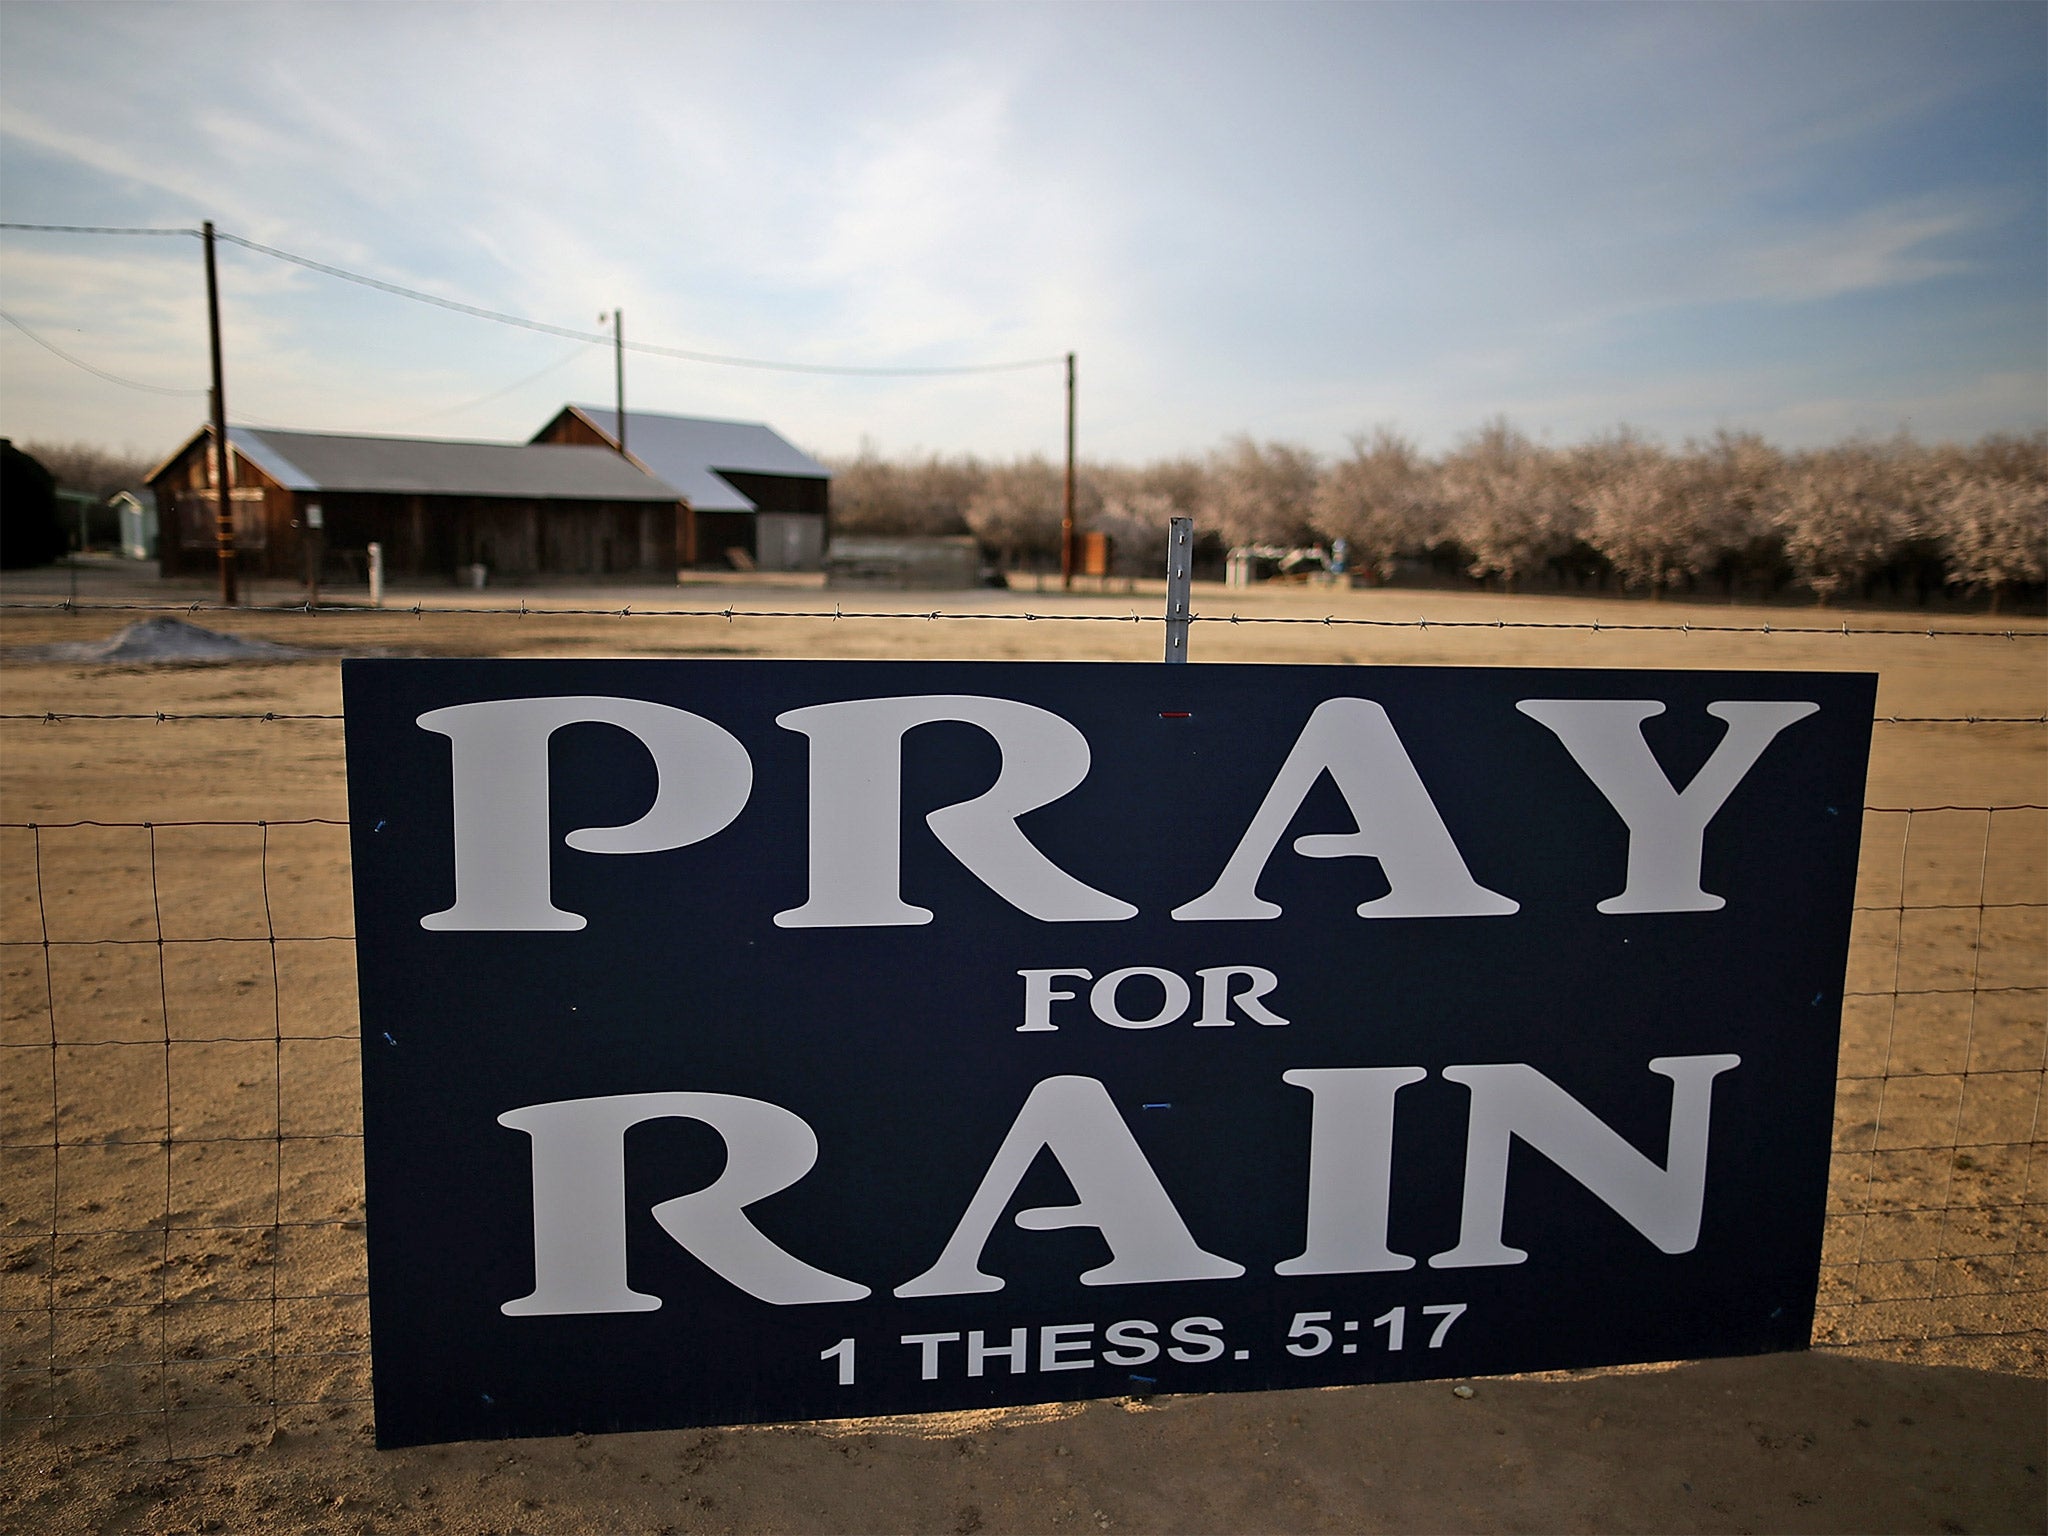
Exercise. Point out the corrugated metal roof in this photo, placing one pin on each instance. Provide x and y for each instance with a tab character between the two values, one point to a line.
688	451
270	460
330	461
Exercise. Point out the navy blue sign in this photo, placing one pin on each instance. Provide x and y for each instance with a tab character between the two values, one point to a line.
751	1041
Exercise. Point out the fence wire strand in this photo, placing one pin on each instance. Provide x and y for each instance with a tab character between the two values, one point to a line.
420	610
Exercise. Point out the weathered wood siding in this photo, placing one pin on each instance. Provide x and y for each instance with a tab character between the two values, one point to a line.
266	538
674	547
428	536
780	493
570	428
424	537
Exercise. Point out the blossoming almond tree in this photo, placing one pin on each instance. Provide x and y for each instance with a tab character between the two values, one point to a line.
1994	533
1511	503
1662	518
1381	500
1260	493
1845	511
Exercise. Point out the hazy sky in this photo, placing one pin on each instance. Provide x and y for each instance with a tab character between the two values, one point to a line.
1291	220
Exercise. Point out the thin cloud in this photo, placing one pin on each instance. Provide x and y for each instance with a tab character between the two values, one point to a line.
1875	249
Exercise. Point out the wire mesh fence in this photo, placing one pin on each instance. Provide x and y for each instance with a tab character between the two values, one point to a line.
1938	1203
182	1261
181	1240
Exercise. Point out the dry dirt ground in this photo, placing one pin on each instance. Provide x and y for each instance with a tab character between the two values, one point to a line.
183	1048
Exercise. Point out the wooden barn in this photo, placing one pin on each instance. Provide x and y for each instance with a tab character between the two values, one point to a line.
436	507
754	499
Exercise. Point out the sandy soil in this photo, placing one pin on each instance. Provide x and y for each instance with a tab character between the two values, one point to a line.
213	1077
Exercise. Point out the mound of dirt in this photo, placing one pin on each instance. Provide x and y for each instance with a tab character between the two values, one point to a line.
168	640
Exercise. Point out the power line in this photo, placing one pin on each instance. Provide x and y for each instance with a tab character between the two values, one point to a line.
111	378
539	373
95	229
411	293
648	349
645	348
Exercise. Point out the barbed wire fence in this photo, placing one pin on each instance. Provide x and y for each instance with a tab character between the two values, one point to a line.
732	613
182	1264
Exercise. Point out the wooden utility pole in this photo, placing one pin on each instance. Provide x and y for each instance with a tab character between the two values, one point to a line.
619	371
1067	505
224	515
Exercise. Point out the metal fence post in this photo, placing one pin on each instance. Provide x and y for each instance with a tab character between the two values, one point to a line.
1180	556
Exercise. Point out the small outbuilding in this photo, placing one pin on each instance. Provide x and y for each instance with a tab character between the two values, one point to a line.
437	507
137	511
753	498
30	533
